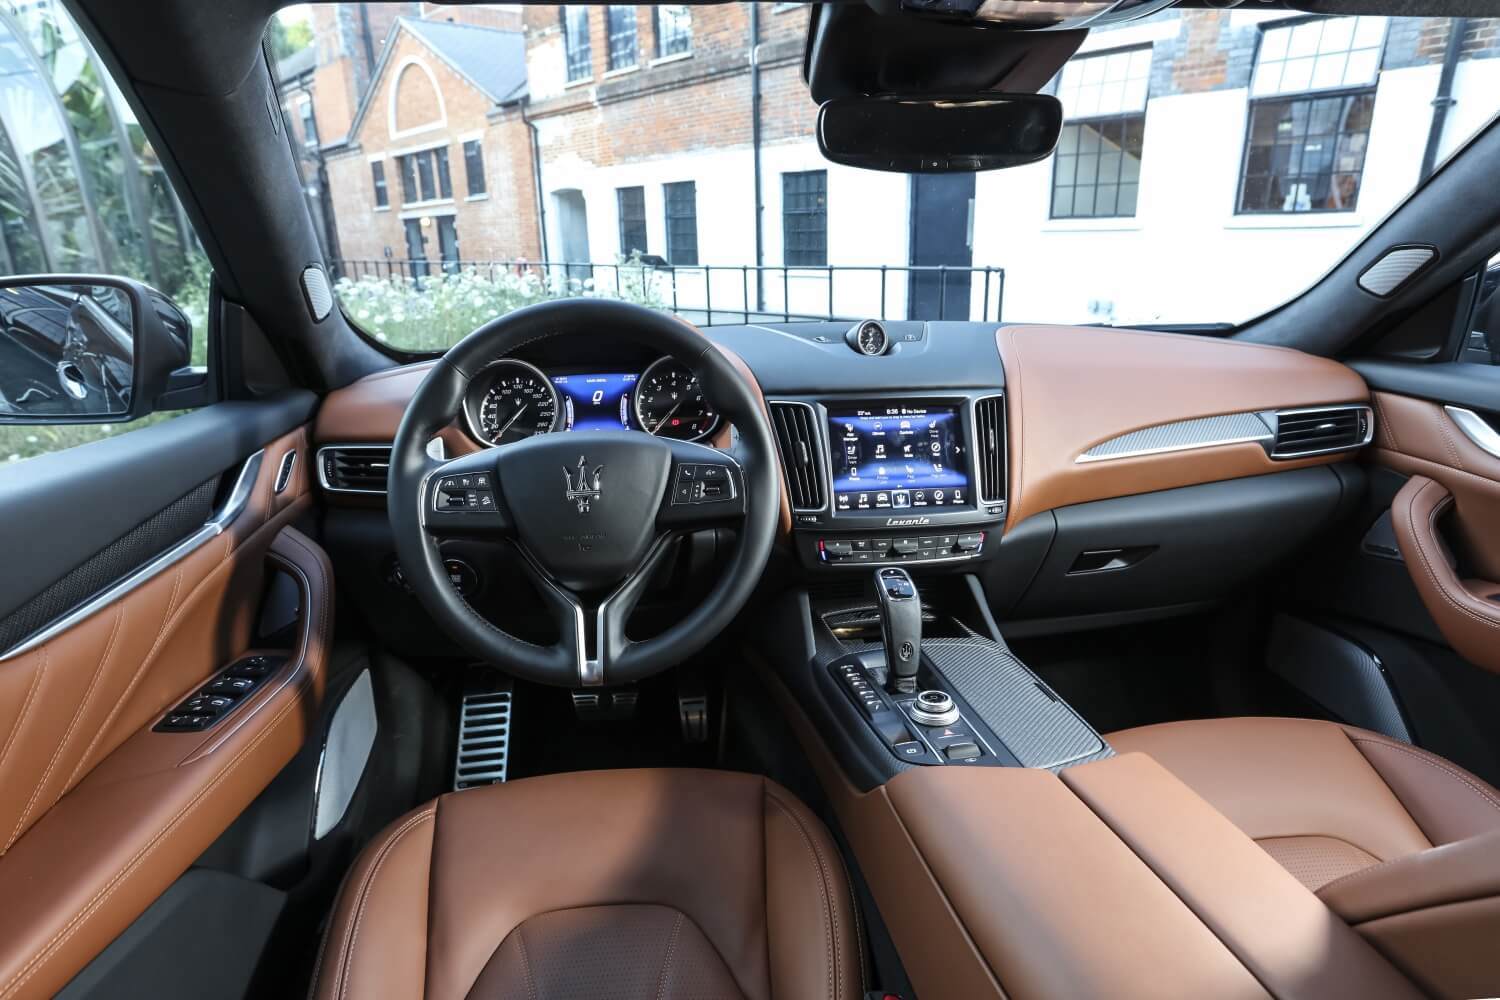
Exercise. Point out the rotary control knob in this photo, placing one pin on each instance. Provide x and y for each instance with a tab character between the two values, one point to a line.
934	708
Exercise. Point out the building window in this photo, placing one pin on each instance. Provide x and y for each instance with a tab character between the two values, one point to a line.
447	228
309	124
632	220
1096	172
674	29
580	57
424	176
682	222
377	173
1306	153
619	19
804	218
474	167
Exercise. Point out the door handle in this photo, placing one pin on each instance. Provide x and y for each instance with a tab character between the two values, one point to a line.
1464	611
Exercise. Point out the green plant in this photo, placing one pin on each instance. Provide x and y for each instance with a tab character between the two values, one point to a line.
434	312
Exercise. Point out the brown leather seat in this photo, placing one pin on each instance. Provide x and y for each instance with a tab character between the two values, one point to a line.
1324	800
652	884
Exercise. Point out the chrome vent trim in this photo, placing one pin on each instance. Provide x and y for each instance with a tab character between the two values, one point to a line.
483	739
338	463
991	456
1182	435
1322	430
802	462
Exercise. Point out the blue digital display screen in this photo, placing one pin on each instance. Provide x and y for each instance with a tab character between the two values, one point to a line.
898	458
596	402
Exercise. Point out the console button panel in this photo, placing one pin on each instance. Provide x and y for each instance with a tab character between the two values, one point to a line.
908	740
703	483
219	696
950	546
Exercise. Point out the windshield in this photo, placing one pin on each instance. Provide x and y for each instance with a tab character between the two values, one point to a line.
463	161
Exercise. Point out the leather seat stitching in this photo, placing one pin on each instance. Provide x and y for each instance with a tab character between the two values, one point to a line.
525	962
666	959
830	921
1421	547
88	697
168	618
1453	773
103	894
346	955
36	681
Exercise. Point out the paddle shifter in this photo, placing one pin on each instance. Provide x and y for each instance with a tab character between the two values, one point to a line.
900	628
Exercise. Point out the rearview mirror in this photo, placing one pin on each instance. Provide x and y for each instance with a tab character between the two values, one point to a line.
78	349
935	135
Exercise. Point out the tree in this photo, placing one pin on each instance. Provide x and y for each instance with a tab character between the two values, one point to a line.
285	39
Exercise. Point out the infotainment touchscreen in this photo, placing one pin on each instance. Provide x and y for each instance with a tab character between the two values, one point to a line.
897	456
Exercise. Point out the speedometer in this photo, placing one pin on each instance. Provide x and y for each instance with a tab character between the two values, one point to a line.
669	402
518	403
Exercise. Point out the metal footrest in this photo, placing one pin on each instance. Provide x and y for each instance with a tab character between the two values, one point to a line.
483	737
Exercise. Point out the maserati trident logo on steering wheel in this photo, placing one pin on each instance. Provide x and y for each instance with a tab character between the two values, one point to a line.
585	488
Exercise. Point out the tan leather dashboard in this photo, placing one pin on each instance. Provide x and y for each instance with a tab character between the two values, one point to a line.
1070	389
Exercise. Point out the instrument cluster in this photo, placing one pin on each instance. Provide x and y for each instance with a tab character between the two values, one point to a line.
512	400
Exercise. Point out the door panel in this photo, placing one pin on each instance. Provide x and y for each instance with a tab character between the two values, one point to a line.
98	813
1417	437
942	233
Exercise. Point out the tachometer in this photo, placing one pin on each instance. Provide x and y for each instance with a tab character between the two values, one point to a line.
669	402
518	403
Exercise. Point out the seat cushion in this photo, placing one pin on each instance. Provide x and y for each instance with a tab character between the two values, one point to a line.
649	883
1324	800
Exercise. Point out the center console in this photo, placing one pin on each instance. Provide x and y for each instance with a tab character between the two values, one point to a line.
900	479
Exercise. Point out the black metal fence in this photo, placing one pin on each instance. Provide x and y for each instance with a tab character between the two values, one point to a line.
747	293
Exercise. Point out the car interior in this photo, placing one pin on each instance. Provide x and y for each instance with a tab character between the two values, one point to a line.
1164	661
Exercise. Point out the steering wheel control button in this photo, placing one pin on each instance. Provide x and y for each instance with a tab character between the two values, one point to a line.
702	484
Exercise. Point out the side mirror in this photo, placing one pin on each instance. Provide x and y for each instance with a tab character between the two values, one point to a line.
80	349
934	135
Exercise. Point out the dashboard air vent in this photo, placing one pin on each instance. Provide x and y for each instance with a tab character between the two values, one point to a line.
989	429
797	436
354	468
1321	431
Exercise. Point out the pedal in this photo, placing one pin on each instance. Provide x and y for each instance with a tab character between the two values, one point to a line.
484	735
606	706
692	706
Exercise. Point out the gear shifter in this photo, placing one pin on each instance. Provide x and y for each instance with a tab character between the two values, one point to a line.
900	627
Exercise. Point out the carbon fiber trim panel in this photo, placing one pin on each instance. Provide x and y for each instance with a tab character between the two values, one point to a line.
1182	435
1038	727
154	535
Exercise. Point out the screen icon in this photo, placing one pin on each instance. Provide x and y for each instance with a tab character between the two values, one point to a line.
900	498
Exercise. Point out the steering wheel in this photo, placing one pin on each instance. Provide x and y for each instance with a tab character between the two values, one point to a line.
592	513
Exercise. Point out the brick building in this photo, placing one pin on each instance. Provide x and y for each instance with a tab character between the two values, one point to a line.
608	130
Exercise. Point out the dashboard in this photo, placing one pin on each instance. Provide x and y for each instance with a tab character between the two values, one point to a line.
513	399
1073	471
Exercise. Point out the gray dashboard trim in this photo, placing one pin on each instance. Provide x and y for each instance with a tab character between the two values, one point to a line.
1183	435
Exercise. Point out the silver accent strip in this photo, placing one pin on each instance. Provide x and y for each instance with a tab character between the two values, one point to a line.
1308	453
1182	435
821	460
1395	266
346	751
234	504
284	474
1475	428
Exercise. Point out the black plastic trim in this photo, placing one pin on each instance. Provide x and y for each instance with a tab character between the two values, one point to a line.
61	509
